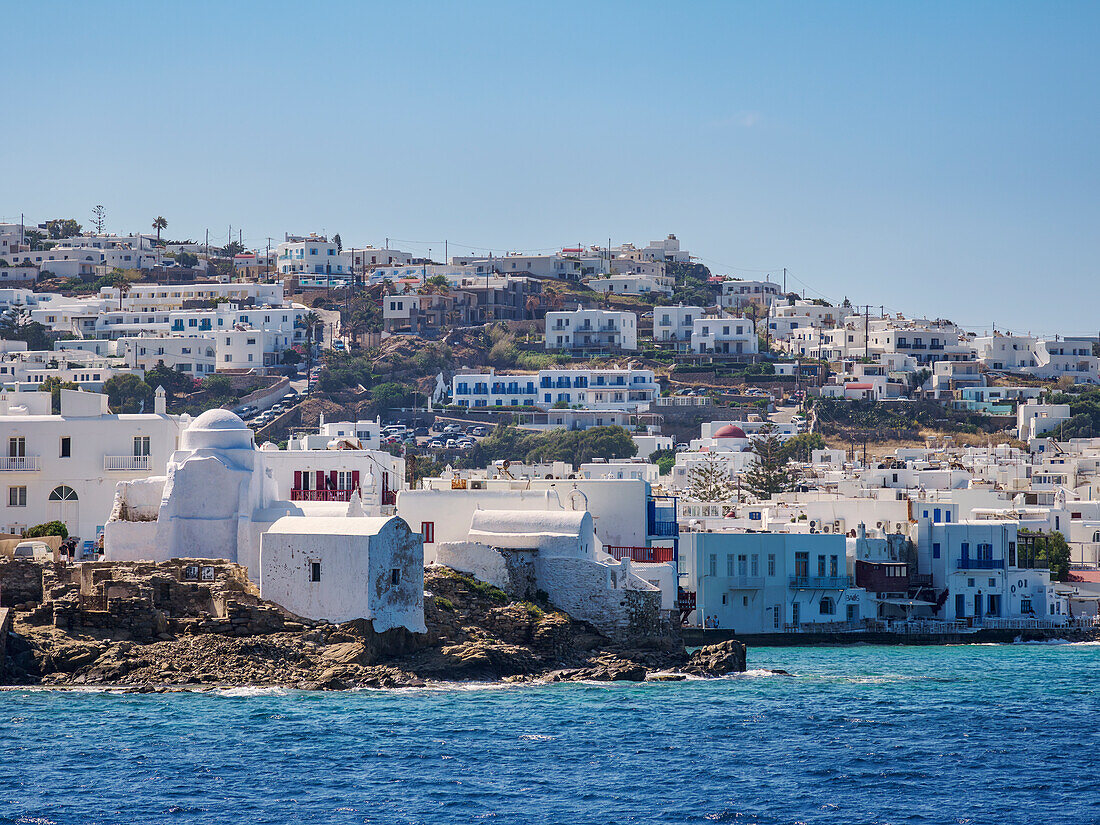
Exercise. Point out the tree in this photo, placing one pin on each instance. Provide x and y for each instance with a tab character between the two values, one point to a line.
187	259
801	447
127	393
917	380
391	394
54	386
1048	548
50	528
173	381
336	239
709	480
232	248
99	218
770	473
60	228
311	321
664	459
159	223
291	357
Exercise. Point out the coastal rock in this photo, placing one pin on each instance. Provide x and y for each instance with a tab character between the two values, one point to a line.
717	659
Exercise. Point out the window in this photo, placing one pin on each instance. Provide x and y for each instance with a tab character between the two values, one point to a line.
729	564
315	571
935	550
827	606
66	446
1025	606
821	565
17	496
742	565
395	577
992	582
141	445
17	447
771	564
63	493
833	566
713	564
755	564
427	530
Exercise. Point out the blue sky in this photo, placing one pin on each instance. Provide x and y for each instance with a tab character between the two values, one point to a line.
935	158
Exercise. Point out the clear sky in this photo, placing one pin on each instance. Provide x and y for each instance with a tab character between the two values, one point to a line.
935	158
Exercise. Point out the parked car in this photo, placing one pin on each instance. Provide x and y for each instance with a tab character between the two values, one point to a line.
452	444
421	431
466	444
481	431
438	426
452	429
37	550
437	444
681	447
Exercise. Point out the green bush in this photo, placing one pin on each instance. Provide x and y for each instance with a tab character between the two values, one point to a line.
50	528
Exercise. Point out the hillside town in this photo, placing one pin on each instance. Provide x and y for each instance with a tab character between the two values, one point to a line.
620	433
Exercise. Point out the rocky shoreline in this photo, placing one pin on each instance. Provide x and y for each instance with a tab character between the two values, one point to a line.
475	634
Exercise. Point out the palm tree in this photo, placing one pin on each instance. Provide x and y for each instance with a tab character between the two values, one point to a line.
158	224
311	320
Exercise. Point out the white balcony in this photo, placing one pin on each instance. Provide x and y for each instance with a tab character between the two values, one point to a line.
19	463
126	463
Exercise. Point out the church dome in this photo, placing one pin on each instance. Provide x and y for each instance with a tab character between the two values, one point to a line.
218	420
217	430
726	431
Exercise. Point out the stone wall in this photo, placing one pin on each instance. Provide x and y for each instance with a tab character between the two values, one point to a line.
20	582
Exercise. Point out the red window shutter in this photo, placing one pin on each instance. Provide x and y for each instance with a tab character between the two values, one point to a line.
332	479
320	479
297	479
355	479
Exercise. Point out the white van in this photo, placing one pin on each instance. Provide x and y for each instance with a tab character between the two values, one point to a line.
37	550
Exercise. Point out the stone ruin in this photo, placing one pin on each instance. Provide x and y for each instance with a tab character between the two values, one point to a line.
142	601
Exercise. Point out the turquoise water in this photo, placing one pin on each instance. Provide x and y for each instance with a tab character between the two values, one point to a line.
966	734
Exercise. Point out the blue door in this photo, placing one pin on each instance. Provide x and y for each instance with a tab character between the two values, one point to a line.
977	608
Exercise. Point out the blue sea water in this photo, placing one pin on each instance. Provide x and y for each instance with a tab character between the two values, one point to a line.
965	734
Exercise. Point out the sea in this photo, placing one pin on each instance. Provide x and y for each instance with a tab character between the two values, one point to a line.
865	734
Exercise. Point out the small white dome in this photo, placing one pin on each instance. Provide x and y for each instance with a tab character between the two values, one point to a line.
218	420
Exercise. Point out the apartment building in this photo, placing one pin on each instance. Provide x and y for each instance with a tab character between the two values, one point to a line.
724	335
675	324
606	389
591	330
312	255
66	466
737	295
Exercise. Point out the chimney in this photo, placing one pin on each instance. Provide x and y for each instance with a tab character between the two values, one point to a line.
160	403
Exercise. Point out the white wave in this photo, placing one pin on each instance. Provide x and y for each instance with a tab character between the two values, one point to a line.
236	692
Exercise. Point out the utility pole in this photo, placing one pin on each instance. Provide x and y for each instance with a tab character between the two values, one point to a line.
208	245
866	333
784	280
446	252
267	259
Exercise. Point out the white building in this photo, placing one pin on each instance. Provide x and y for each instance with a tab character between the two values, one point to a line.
591	389
737	295
221	493
725	335
675	324
312	255
341	568
769	582
591	329
66	466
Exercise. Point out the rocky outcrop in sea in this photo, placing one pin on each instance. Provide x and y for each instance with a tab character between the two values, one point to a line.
219	633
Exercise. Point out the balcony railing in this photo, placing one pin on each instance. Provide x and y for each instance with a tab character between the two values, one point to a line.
131	463
820	582
664	528
647	555
980	564
745	582
19	462
321	495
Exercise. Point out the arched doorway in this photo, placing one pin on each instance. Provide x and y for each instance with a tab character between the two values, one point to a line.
64	506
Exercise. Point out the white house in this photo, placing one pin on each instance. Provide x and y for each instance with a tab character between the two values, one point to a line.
591	329
591	389
340	568
724	335
769	582
312	255
737	295
675	323
66	466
